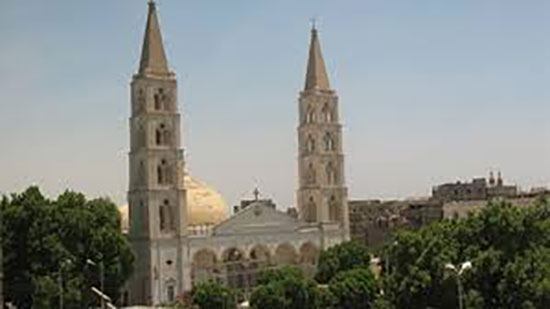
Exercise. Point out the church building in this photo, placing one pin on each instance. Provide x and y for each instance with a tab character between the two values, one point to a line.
182	238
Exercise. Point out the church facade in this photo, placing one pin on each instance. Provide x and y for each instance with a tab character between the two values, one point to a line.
173	253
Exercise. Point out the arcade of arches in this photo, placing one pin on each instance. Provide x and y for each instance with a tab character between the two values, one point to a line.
239	268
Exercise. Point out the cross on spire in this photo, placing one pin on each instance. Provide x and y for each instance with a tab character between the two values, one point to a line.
256	193
313	21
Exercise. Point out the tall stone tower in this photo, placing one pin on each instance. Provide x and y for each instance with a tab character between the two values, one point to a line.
322	193
156	193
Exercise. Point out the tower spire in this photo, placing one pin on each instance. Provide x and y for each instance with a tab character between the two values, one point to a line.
153	58
316	76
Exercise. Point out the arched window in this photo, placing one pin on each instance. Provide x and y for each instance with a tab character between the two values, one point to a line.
311	177
285	254
259	258
158	97
166	217
233	260
162	218
330	173
166	137
171	216
162	100
311	210
327	113
204	266
140	102
160	172
162	135
333	210
163	173
310	115
310	144
141	137
329	142
158	137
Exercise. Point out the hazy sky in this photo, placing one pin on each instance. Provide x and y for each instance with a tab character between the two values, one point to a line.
430	91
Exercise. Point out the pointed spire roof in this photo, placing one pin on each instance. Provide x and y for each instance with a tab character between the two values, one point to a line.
316	76
153	59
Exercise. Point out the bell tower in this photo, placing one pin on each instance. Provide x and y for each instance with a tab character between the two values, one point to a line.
322	193
156	195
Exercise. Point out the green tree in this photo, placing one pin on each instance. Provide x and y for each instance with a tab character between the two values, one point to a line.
269	296
286	288
356	288
341	257
44	239
508	247
212	295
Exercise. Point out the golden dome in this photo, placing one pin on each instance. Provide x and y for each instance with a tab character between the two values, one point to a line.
205	206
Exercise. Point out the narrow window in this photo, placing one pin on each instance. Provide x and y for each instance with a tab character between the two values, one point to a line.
162	172
310	145
162	135
140	100
333	209
310	115
162	217
311	174
159	98
170	217
312	210
157	102
330	173
329	142
166	137
327	114
158	137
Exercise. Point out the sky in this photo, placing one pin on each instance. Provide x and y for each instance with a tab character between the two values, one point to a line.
430	92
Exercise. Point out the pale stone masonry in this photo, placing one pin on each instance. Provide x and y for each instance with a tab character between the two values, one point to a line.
178	247
322	193
156	195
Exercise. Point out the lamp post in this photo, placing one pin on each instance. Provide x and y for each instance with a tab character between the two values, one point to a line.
101	278
104	298
60	281
458	272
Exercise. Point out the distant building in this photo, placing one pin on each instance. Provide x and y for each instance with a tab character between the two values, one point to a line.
462	209
478	189
373	221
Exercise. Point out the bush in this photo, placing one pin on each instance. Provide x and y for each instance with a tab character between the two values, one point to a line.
212	295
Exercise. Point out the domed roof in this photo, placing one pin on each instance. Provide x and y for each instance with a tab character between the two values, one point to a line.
205	205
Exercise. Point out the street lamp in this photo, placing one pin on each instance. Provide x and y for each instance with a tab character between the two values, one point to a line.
458	272
60	280
101	278
104	298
